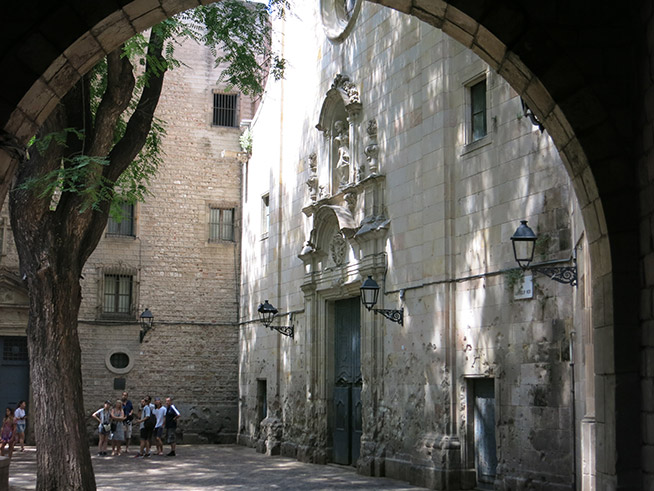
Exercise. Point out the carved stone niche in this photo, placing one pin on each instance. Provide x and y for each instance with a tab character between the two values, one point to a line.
338	123
328	246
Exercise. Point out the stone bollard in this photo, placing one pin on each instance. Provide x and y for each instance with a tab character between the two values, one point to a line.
4	473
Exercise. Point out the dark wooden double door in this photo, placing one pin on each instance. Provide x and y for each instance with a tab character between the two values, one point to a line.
347	381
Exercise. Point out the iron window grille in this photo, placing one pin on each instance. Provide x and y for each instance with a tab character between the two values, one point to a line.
14	348
225	110
118	295
478	108
126	224
221	224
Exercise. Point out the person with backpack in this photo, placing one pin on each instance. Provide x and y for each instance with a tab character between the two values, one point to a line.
147	421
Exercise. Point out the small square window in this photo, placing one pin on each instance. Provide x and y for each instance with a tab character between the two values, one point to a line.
478	108
124	225
221	224
118	295
225	110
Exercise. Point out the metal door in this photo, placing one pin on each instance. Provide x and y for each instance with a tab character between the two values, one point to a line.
14	371
484	417
347	382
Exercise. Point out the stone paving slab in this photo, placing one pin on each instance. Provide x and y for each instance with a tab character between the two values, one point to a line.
208	467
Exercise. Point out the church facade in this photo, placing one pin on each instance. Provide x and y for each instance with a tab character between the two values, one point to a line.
392	154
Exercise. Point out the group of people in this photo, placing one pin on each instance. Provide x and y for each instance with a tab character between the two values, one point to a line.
13	429
116	422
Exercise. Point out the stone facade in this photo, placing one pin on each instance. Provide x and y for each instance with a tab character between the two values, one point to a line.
189	282
364	163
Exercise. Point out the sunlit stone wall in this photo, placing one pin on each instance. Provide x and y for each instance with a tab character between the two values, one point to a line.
188	283
445	257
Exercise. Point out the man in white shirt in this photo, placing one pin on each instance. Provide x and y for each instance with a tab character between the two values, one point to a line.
21	420
160	412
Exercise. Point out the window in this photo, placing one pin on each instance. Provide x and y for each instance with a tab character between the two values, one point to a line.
221	224
117	294
14	349
225	110
124	225
478	111
265	215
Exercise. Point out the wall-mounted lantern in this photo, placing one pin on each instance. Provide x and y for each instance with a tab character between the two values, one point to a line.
147	321
524	243
369	296
267	313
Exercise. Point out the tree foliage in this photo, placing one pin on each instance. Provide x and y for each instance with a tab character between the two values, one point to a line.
102	144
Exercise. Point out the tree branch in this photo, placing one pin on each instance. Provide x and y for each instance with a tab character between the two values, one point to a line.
138	127
120	85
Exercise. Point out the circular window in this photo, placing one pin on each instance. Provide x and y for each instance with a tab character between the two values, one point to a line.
338	17
119	360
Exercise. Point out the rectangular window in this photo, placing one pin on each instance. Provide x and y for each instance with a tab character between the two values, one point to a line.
265	215
478	110
221	224
14	348
124	225
118	294
262	400
225	110
2	236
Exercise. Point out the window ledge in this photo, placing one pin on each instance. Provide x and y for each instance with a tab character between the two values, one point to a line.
120	236
477	144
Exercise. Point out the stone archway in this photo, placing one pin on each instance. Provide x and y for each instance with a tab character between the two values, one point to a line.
554	55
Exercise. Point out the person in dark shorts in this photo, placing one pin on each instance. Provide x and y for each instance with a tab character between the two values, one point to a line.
146	427
172	415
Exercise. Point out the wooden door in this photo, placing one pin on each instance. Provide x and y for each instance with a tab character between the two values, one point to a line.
347	382
484	424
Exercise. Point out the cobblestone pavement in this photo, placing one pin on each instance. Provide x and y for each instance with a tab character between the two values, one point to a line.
208	467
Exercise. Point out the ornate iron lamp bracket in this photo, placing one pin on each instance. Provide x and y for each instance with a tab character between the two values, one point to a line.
565	274
392	315
285	330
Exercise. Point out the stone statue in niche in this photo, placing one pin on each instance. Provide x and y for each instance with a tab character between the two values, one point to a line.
312	182
372	149
342	140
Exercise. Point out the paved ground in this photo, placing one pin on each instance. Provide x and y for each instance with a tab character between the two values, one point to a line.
208	467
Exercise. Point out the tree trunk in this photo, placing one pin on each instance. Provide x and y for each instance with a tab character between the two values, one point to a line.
54	239
64	460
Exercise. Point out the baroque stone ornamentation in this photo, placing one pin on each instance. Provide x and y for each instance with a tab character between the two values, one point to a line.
343	83
312	182
338	249
372	149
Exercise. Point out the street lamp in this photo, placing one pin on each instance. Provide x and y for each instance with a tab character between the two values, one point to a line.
370	294
524	243
147	320
267	313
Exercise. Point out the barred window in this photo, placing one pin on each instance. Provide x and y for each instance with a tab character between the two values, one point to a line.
125	225
225	110
118	294
14	348
221	224
478	110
